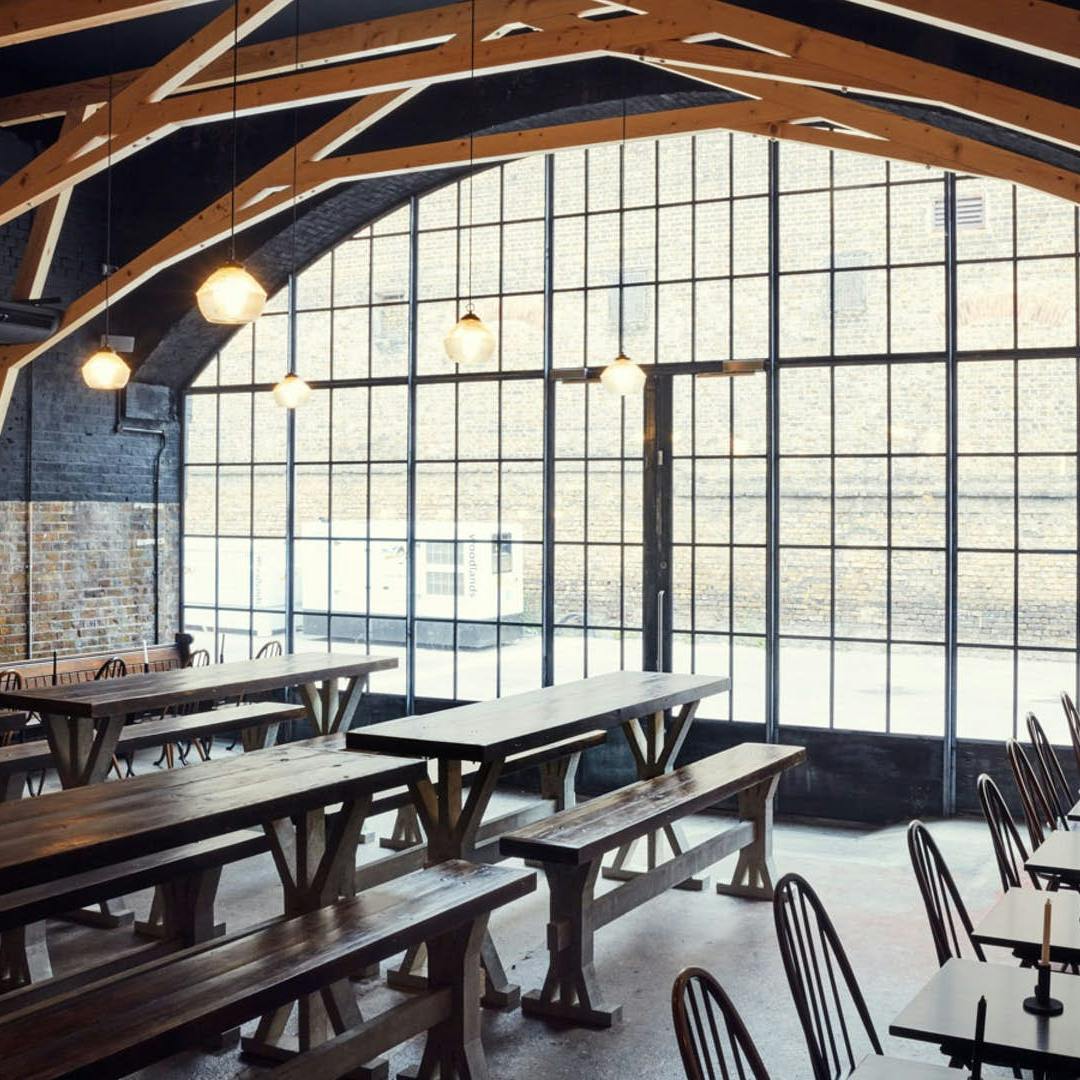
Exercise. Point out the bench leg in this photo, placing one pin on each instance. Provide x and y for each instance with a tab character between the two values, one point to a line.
407	832
754	873
453	1050
571	992
24	956
558	780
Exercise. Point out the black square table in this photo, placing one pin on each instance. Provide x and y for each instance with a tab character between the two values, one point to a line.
1058	856
943	1012
1015	922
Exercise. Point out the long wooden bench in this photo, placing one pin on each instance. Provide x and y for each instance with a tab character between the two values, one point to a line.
258	722
572	844
187	915
113	1027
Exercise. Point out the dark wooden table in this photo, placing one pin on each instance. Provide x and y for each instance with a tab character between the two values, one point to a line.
283	790
943	1013
1074	812
488	732
876	1067
1016	920
83	721
1058	856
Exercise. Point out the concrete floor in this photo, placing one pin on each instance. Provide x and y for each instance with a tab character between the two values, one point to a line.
863	876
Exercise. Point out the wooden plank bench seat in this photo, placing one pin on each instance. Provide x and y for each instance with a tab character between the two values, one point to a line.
571	845
187	915
258	722
115	1026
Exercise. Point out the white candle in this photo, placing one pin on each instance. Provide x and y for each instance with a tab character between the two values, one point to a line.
145	656
1047	916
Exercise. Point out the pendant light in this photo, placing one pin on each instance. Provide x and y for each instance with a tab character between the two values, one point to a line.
230	296
105	369
622	377
471	341
292	391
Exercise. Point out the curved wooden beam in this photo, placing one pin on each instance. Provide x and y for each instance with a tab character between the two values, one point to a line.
1051	31
31	20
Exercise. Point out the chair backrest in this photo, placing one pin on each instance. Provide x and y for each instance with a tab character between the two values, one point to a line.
271	648
950	924
1038	814
1051	773
1009	848
713	1039
113	668
10	680
821	980
199	658
1072	719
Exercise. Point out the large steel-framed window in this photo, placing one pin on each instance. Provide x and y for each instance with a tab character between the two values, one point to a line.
490	525
861	442
1018	383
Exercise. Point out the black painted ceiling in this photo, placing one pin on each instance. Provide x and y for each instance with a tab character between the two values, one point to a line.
160	187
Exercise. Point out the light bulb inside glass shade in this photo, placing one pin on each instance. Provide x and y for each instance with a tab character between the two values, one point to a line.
471	341
230	296
106	370
622	377
291	391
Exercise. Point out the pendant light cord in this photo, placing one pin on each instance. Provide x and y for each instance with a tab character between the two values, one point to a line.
235	141
295	172
472	140
108	199
622	213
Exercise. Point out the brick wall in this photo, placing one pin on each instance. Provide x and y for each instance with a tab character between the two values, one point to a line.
77	512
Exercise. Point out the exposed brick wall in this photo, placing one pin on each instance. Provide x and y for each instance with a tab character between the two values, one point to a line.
76	497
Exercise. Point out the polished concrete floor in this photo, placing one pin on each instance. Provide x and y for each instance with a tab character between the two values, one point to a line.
863	876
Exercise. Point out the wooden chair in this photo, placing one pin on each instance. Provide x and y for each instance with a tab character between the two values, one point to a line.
1009	849
1072	719
821	980
950	924
713	1039
115	668
1051	774
9	680
1038	813
271	649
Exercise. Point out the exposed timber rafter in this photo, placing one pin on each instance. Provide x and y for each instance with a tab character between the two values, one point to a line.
83	150
788	51
31	20
1049	30
141	119
48	221
903	137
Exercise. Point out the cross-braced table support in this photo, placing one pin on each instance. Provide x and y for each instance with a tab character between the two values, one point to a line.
655	746
82	751
451	826
312	859
331	711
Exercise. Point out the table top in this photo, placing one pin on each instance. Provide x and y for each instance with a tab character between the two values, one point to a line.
876	1067
87	827
156	689
490	730
944	1012
1016	920
1058	854
1074	813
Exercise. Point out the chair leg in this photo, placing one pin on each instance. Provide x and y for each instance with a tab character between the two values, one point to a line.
30	784
115	767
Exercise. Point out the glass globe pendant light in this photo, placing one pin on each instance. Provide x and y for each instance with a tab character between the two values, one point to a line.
230	296
293	391
471	341
622	376
106	369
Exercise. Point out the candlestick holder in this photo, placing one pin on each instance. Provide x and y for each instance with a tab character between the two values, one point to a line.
1041	1003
